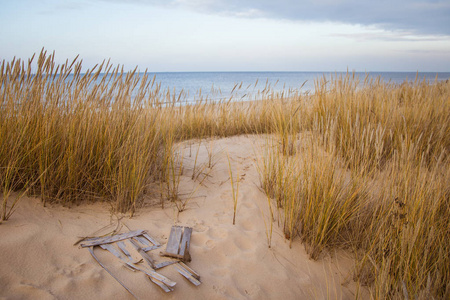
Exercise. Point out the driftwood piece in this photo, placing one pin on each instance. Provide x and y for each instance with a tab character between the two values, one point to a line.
173	245
179	242
111	239
146	249
152	240
91	250
165	264
185	243
187	274
114	251
144	254
163	282
124	249
142	240
195	274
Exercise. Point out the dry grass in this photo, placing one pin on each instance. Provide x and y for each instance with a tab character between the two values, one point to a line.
372	176
102	135
358	165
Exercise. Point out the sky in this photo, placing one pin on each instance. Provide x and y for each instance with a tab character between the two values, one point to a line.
233	35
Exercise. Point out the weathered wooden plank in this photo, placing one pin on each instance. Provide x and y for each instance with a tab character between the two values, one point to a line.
185	243
195	274
111	239
165	288
173	245
91	250
124	249
187	275
178	256
146	249
144	254
142	240
114	251
165	264
155	275
152	240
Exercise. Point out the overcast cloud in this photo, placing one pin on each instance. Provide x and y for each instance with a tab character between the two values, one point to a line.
233	35
421	17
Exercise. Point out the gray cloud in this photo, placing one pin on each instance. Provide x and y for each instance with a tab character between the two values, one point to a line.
391	36
423	17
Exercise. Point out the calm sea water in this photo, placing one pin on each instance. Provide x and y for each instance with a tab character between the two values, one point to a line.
220	85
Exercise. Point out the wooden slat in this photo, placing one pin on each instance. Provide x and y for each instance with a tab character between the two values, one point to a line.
155	275
165	264
161	285
91	250
146	257
114	251
185	243
142	240
122	247
146	249
111	239
173	245
195	274
152	240
164	253
187	275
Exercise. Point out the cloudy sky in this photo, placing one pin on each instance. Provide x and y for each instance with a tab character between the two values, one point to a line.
233	35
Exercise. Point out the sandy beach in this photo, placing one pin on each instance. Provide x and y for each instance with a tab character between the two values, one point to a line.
39	259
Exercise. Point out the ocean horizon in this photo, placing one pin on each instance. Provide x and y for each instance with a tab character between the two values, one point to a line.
248	85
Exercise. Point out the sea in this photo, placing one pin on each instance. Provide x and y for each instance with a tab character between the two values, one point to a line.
194	86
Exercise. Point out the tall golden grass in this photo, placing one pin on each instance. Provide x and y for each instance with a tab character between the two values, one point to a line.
371	173
104	134
362	165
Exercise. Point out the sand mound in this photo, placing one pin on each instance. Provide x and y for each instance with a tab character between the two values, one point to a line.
39	261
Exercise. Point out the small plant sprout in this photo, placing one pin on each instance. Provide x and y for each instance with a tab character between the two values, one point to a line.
234	188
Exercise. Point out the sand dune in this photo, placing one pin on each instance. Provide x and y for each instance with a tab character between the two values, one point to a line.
39	261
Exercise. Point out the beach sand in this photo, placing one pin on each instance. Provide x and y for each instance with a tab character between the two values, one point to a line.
39	260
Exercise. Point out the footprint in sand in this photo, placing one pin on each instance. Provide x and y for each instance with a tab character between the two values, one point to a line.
243	243
248	205
210	244
253	290
219	289
220	216
220	273
200	228
197	225
217	233
247	225
225	195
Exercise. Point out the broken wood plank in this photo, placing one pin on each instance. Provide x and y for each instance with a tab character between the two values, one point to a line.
155	275
91	250
178	243
195	274
185	243
144	254
173	245
114	251
111	239
152	240
165	288
142	240
165	264
178	256
188	275
146	249
124	249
